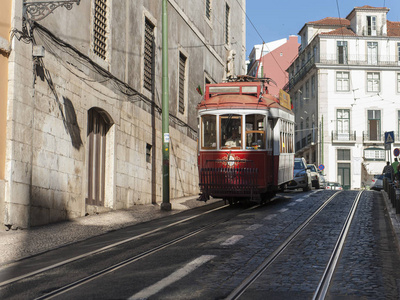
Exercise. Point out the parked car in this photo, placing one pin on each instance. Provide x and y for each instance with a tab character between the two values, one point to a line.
322	181
301	176
333	186
314	175
377	183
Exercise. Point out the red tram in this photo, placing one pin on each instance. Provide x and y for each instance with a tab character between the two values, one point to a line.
246	142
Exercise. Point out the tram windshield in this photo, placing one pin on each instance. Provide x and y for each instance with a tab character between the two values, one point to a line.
209	132
231	134
255	132
231	131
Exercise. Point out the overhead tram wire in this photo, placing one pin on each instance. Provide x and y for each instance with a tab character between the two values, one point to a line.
48	37
346	62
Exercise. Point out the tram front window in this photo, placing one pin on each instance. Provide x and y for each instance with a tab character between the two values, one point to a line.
255	132
209	132
231	131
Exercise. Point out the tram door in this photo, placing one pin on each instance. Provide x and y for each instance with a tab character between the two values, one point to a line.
344	175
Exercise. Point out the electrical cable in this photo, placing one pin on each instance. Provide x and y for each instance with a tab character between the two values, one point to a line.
50	40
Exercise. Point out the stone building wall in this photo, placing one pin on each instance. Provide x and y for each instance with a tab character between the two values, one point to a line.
50	99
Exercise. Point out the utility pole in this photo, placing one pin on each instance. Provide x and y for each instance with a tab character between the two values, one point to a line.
165	205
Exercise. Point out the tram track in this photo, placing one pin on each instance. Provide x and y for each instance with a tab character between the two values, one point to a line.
323	286
125	262
134	253
105	248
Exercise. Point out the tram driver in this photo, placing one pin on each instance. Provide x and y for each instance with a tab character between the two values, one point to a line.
234	140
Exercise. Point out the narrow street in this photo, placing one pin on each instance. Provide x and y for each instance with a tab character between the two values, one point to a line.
208	252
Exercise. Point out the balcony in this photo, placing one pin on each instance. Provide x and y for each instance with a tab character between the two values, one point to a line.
360	60
305	143
300	74
351	60
369	138
343	137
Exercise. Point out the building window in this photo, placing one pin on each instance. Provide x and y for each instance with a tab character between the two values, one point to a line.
343	154
398	125
315	54
313	87
148	54
100	28
342	81
372	53
342	52
208	9
398	52
307	96
374	125
398	82
343	123
373	82
148	153
374	154
182	82
227	23
371	25
301	97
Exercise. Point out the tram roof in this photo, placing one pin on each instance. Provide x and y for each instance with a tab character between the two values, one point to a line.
243	95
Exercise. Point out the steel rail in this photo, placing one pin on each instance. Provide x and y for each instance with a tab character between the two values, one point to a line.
271	258
113	245
325	281
119	265
135	258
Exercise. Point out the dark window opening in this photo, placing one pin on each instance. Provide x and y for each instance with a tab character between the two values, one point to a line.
148	54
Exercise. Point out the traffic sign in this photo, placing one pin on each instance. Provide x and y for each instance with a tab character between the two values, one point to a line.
396	152
389	137
321	167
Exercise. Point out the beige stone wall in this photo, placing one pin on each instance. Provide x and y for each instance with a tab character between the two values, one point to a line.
59	170
46	168
5	25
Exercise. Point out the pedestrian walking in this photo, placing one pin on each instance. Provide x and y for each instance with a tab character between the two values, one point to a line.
398	172
388	171
395	165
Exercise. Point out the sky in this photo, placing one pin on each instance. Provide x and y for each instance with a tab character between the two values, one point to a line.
274	20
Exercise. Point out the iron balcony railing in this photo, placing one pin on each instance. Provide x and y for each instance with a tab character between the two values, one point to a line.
373	138
333	59
300	74
349	136
360	60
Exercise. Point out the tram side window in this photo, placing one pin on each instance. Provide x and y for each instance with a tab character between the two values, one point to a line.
269	134
286	137
209	132
255	132
231	131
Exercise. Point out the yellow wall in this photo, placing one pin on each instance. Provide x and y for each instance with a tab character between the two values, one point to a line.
5	27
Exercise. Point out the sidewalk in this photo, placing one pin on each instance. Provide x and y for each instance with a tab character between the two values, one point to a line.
394	218
18	244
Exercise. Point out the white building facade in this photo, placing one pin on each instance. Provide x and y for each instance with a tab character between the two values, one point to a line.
345	88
